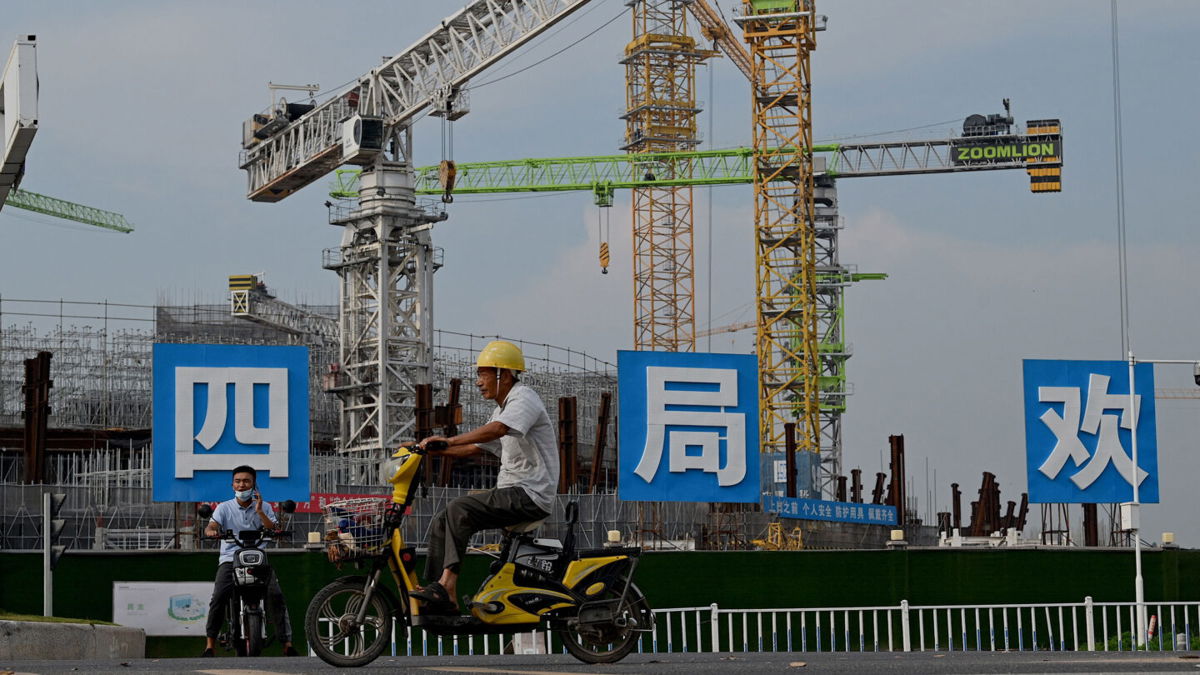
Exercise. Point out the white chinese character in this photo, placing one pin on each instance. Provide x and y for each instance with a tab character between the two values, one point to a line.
729	426
1066	430
274	435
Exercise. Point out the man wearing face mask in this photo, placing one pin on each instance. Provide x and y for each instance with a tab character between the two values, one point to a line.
521	434
246	511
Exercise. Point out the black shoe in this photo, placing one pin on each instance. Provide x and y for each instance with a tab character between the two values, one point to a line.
208	651
432	592
290	651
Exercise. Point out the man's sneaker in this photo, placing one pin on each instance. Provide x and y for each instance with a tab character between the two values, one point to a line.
290	651
208	651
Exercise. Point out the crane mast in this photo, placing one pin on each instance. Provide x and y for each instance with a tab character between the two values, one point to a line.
781	34
386	258
660	116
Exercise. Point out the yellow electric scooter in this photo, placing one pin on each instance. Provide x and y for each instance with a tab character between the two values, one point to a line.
587	598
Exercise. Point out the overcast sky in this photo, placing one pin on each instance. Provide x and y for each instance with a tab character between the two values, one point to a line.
141	109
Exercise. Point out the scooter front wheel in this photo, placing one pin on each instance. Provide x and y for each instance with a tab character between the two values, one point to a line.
254	633
335	634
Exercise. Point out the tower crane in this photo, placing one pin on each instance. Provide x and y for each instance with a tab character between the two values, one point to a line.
385	261
18	127
986	143
660	116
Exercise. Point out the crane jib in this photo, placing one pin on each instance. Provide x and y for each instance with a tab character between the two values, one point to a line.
282	154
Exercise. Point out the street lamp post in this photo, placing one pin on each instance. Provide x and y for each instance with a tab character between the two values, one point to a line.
1135	507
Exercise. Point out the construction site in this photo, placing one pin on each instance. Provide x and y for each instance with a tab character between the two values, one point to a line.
76	375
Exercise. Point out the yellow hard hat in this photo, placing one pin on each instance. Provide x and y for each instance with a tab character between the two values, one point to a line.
501	354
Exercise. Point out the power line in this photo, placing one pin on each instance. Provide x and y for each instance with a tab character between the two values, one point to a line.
538	63
893	131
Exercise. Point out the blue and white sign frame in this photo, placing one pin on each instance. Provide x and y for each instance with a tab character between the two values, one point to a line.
1078	432
217	407
688	427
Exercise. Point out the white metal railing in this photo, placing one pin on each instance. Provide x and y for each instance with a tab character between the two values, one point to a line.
1082	626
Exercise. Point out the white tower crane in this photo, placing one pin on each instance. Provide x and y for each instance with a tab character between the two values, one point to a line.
385	260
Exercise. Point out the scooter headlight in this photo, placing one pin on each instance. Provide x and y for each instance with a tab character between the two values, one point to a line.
250	557
392	465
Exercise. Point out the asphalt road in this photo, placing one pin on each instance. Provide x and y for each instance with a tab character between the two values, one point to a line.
683	664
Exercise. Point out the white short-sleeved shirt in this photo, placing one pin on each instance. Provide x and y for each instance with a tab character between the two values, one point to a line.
229	515
529	451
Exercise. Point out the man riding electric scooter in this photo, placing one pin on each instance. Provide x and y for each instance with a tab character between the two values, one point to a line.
521	434
246	511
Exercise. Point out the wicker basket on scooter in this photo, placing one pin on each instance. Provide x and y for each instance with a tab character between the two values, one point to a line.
354	528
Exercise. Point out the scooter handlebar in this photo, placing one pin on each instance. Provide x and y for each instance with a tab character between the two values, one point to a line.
431	446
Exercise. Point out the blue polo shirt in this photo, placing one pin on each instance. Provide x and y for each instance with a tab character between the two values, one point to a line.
230	515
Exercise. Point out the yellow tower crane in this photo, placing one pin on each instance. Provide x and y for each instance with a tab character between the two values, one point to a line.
660	116
781	34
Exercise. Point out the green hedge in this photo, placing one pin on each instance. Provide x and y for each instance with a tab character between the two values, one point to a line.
83	582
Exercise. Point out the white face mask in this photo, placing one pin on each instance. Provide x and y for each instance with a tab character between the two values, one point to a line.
243	495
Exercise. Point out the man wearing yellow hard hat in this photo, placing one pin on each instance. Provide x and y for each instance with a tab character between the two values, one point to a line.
520	433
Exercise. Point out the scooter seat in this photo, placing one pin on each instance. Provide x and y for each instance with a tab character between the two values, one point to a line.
528	526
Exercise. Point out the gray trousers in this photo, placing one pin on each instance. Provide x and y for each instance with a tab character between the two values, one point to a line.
453	526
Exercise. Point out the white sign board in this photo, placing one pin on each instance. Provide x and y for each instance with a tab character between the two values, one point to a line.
162	607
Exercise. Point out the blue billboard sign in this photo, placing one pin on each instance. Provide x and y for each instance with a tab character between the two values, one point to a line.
818	509
217	407
1078	432
688	427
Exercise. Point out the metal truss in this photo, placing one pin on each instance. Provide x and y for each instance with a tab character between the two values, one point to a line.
788	355
932	156
660	116
605	173
460	47
386	325
61	208
308	326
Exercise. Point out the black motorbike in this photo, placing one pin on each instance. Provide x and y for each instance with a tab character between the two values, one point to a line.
244	630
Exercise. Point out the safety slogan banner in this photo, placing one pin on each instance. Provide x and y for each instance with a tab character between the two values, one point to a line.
1079	423
688	427
818	509
217	407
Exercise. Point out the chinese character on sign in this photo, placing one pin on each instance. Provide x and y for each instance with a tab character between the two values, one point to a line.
1079	425
216	382
1066	428
670	426
220	406
689	428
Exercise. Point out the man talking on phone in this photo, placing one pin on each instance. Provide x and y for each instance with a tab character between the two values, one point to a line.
246	511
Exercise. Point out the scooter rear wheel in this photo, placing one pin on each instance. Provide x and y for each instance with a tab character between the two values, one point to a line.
334	634
606	643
